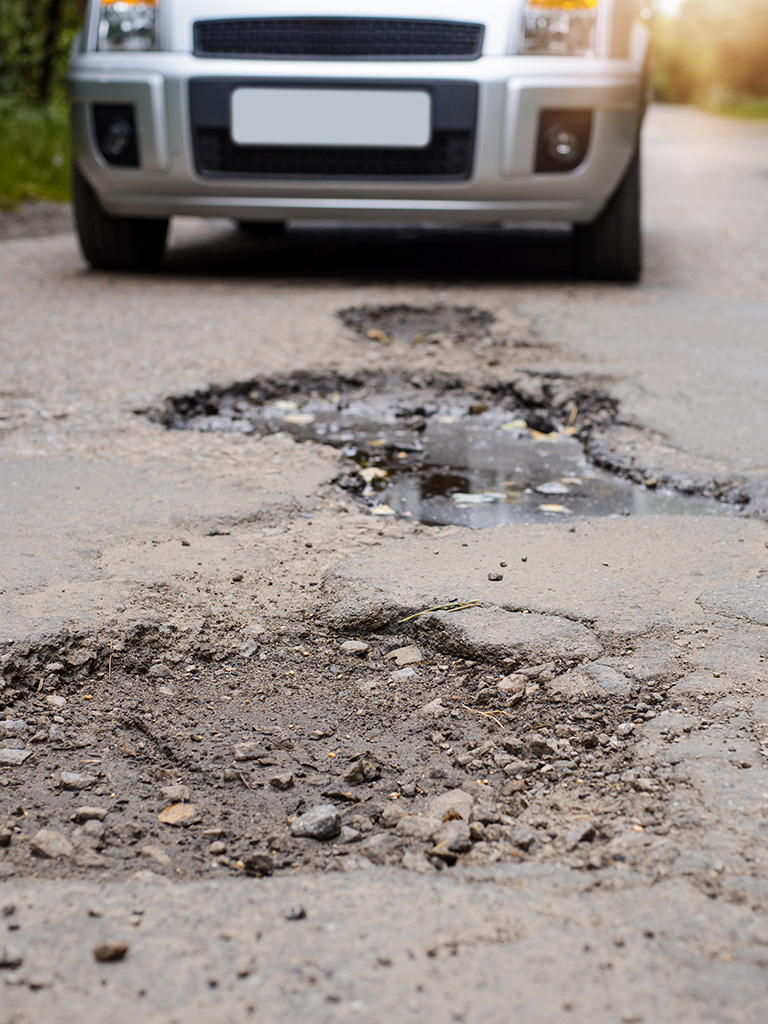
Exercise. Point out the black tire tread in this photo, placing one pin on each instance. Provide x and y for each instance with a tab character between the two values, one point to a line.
610	248
115	243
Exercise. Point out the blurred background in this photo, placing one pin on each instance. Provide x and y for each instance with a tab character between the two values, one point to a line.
713	53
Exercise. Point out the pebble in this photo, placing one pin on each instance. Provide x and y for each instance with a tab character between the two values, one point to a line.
83	814
177	814
76	780
495	577
157	854
282	782
177	794
11	958
295	913
217	848
584	833
111	952
403	675
405	656
258	865
512	684
249	750
451	838
51	844
56	700
5	838
13	757
13	727
356	647
321	822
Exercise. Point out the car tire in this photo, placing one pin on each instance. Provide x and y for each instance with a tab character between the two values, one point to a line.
610	248
115	243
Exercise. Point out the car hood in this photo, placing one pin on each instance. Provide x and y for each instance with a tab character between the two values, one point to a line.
500	17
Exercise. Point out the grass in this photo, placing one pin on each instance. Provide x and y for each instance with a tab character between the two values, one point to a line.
34	153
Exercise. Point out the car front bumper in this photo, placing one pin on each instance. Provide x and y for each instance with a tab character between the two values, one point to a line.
502	184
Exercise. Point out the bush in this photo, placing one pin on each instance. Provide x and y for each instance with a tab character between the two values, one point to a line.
36	152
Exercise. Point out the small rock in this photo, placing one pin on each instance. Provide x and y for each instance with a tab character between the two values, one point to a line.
76	780
83	814
356	647
350	835
177	794
51	844
361	771
451	838
452	805
295	913
111	952
9	727
258	865
523	838
159	671
177	814
435	707
217	848
157	854
402	675
391	815
56	700
14	758
405	656
495	577
11	958
512	684
581	834
282	782
249	750
94	828
321	822
5	838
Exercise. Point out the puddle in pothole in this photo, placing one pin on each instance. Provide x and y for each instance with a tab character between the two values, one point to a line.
440	452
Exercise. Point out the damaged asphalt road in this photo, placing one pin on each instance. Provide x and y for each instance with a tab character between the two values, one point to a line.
266	755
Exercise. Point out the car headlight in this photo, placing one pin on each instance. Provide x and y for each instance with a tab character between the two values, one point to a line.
127	25
560	27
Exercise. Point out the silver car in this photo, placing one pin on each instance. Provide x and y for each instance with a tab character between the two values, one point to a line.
491	111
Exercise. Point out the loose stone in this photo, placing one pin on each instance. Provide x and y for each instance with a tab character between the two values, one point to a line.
11	958
14	758
51	844
111	952
405	656
321	822
356	647
258	865
282	782
76	780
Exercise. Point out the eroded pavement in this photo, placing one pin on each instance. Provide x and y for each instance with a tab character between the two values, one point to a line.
276	757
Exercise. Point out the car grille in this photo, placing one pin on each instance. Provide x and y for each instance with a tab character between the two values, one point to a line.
338	38
449	156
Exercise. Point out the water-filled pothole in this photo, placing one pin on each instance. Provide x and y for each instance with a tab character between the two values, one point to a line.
439	451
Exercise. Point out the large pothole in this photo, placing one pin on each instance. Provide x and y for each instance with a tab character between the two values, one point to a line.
435	449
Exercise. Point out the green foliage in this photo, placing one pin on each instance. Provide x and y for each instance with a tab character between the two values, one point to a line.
35	158
714	53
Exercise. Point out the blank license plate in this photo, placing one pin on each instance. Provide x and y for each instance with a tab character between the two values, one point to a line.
331	117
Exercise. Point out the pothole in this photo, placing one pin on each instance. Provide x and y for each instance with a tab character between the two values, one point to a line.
434	449
415	324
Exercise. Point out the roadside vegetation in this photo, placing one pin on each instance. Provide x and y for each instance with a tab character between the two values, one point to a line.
714	54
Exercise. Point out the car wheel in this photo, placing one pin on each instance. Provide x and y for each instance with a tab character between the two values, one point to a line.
610	248
115	243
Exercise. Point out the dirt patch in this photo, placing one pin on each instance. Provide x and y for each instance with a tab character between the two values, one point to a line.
191	761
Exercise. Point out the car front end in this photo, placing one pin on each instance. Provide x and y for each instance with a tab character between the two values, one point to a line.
496	111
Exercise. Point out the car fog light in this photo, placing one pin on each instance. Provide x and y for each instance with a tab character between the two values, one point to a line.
563	139
116	134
